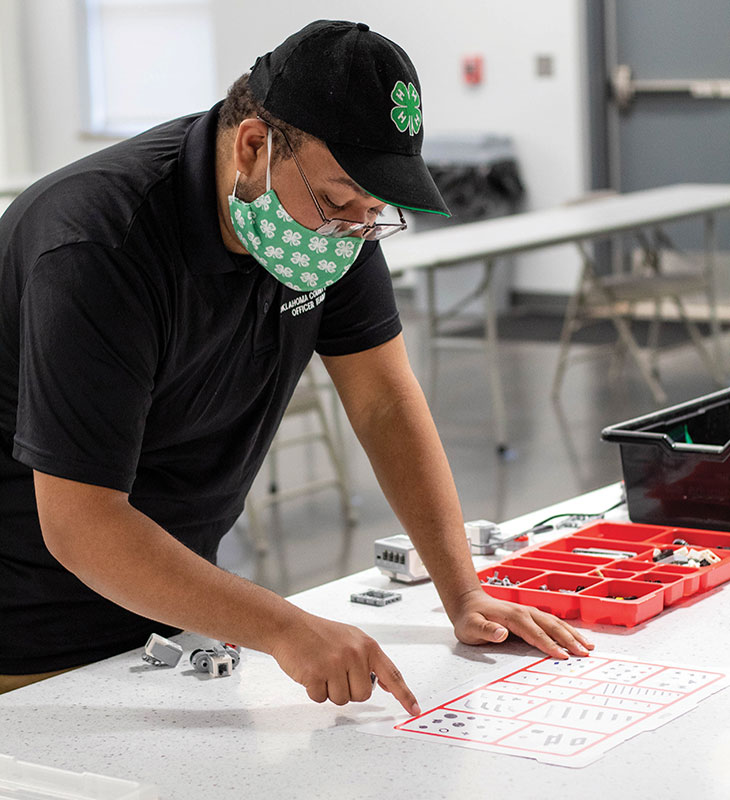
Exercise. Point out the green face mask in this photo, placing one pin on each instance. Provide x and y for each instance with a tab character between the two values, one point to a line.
300	258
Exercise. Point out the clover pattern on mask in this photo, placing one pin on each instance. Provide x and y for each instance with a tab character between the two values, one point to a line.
268	228
255	240
406	114
310	278
344	249
318	244
301	259
264	201
274	252
285	272
291	237
326	266
282	214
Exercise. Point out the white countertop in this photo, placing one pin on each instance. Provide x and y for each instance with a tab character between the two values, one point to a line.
257	734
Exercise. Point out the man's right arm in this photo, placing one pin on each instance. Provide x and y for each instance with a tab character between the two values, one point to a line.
126	557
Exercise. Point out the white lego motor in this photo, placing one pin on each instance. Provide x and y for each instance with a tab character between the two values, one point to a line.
397	558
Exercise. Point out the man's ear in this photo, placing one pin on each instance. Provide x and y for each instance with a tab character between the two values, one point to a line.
249	146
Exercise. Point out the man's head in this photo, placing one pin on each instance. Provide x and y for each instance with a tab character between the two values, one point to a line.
347	99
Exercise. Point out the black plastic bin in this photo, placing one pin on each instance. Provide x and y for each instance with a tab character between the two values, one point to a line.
676	463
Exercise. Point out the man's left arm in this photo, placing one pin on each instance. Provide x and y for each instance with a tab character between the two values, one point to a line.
390	416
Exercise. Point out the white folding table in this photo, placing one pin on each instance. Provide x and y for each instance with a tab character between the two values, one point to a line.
492	239
257	734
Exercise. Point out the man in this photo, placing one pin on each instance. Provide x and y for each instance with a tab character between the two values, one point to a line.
160	301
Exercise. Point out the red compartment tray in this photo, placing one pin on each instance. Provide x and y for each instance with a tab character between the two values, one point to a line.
612	586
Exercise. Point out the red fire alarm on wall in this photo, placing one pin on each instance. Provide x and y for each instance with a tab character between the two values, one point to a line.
472	68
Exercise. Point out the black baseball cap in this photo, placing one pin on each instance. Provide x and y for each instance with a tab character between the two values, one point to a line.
359	93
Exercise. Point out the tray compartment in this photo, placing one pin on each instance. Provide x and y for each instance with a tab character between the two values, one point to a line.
562	604
716	573
610	572
709	576
631	566
598	604
624	531
575	558
545	564
697	539
691	577
568	544
505	570
672	582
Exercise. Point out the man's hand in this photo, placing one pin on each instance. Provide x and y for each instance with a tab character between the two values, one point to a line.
334	661
480	619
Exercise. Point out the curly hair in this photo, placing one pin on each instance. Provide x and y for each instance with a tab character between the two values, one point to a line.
240	104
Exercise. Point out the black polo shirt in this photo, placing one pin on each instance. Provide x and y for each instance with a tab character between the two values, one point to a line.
137	353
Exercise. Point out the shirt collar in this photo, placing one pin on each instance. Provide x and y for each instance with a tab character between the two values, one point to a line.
203	246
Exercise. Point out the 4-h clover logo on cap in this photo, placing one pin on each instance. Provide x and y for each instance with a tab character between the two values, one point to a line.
406	114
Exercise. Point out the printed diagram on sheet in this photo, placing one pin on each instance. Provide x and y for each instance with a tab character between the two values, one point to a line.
565	712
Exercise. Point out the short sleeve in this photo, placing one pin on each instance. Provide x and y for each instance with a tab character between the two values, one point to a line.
90	341
360	310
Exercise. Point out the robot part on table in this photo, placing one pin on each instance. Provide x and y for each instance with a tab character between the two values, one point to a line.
376	597
218	661
161	652
396	557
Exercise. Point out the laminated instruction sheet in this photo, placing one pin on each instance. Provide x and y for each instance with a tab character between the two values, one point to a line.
561	712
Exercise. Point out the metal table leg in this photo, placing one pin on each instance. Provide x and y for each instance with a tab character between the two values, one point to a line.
710	279
491	347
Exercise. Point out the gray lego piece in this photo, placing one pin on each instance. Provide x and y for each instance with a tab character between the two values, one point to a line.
375	597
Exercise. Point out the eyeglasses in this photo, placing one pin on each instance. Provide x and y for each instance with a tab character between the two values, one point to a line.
343	227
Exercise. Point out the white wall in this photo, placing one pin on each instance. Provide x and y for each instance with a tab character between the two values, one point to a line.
52	53
14	154
544	116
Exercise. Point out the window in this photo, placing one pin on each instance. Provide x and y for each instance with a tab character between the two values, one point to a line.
146	62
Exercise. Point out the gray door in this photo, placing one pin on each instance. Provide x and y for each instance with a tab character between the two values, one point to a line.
662	60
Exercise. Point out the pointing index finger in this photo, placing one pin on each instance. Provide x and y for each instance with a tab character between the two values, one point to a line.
390	679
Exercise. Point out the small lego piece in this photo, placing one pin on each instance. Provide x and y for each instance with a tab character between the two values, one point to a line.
375	597
691	557
495	580
161	652
219	661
